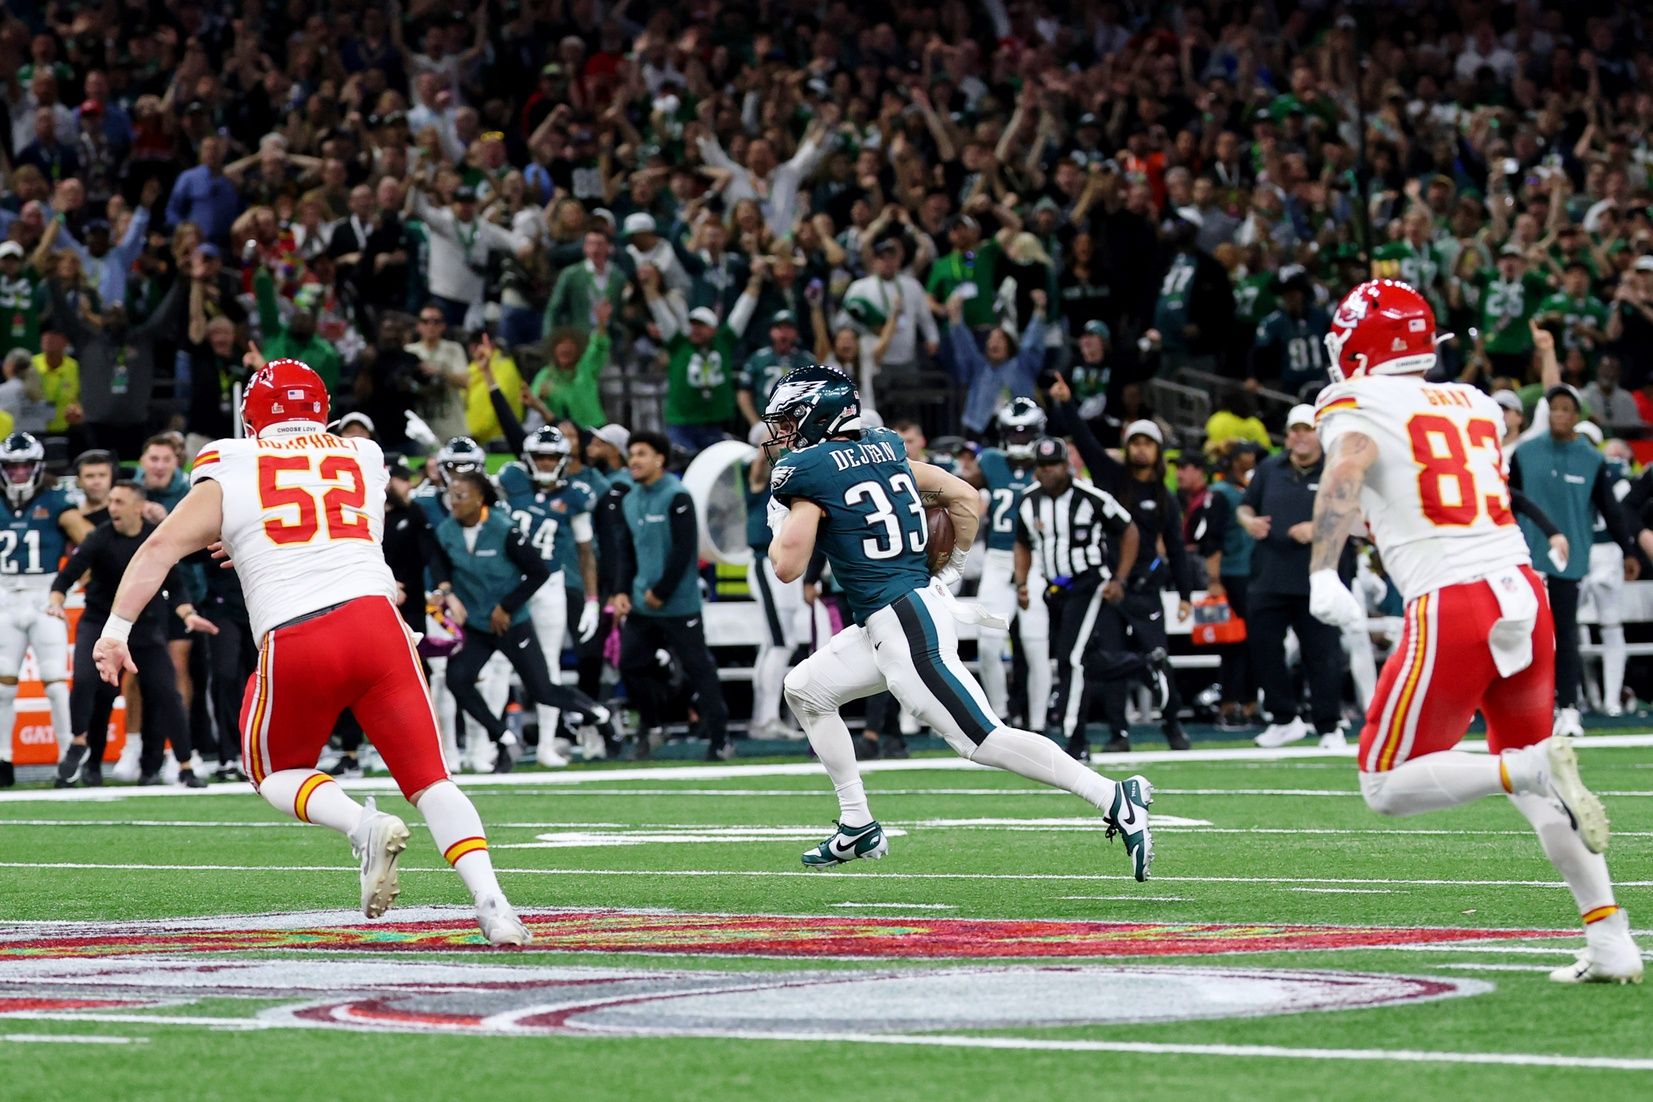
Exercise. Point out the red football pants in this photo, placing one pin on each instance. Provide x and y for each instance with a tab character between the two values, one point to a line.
1442	673
359	656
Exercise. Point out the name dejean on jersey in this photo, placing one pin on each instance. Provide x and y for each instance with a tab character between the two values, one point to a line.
881	452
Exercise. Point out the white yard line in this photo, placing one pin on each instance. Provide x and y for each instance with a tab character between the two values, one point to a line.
1350	891
70	1038
903	906
577	778
809	874
1275	1052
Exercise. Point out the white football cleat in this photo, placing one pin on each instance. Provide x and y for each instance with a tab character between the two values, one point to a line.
550	758
128	767
1280	734
500	924
1608	956
1550	768
1334	740
592	747
377	842
1567	723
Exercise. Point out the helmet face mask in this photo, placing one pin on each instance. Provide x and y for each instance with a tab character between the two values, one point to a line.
547	443
22	467
459	454
810	405
1020	424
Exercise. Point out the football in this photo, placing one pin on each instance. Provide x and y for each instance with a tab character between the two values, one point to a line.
942	537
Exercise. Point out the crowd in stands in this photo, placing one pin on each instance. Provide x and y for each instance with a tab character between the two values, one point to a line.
642	214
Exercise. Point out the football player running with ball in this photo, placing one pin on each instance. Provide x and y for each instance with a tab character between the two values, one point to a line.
301	514
1423	462
853	493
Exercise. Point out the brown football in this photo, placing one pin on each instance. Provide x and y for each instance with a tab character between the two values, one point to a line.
942	536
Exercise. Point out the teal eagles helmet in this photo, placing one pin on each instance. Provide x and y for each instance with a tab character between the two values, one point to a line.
24	461
810	404
1020	424
547	442
459	454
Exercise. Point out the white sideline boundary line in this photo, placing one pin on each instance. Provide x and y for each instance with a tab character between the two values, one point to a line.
70	1039
580	777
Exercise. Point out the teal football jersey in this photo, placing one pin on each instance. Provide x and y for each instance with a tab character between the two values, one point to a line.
874	533
543	516
1006	483
31	540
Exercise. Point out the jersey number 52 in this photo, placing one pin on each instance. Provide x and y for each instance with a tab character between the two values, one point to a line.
341	505
1447	485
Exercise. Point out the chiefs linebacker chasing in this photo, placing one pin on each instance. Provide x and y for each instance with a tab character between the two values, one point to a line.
301	514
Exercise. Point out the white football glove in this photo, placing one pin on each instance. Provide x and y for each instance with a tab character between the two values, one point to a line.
1330	601
952	571
590	616
419	432
775	514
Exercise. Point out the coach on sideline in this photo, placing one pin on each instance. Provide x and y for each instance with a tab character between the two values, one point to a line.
1278	512
105	555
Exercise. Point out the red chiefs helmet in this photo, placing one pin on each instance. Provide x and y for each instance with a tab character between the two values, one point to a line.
1382	327
283	390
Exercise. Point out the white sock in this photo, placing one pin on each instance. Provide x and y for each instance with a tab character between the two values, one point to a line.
1431	782
457	830
311	796
767	676
1037	652
57	699
1614	654
1362	664
8	718
1039	759
548	719
1584	872
831	741
990	666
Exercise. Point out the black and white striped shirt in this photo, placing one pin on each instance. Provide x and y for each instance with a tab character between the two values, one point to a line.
1069	534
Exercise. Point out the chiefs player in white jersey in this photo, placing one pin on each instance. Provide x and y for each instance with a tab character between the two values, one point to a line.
1424	462
301	514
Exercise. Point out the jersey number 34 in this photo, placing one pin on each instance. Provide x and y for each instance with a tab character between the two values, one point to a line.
1447	486
342	505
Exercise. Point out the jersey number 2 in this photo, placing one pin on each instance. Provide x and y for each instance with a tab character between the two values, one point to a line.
888	544
350	494
1446	485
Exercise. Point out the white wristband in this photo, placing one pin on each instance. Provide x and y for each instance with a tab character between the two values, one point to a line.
117	629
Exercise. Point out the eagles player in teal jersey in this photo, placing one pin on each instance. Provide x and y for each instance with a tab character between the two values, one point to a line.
852	492
764	368
554	517
1006	473
36	524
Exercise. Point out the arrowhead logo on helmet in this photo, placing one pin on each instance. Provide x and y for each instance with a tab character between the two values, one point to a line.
284	392
1382	327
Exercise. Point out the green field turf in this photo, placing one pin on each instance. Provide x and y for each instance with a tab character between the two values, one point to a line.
1286	843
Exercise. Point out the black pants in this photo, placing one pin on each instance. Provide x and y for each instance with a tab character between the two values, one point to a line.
1094	662
589	654
1238	678
1144	611
91	699
1568	665
1322	648
522	650
231	655
883	714
648	684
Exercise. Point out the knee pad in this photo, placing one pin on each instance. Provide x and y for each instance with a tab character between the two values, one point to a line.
800	690
1374	789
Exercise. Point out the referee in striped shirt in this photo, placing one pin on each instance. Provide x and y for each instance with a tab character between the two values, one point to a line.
1082	541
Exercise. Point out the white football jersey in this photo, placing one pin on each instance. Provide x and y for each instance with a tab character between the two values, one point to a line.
1437	501
304	517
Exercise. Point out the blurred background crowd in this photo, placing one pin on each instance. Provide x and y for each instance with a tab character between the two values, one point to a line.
641	214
